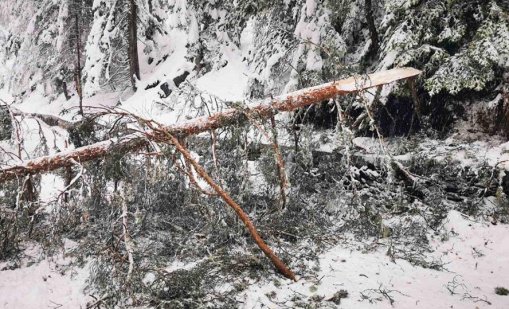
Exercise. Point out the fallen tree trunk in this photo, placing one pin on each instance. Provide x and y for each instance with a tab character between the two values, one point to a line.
265	109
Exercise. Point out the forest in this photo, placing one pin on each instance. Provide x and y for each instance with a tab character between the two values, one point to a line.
254	154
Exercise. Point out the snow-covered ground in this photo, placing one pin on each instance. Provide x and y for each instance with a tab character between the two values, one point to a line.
42	283
475	257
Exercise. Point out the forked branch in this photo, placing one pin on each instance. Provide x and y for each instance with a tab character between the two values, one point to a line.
280	265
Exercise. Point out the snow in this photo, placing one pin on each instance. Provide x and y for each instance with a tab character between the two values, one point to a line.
256	179
144	103
368	144
62	15
230	82
97	45
468	153
475	257
37	101
179	265
43	284
310	7
247	37
40	286
467	150
54	188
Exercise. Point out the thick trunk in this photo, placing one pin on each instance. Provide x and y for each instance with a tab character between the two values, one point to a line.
284	103
134	66
77	72
66	93
373	33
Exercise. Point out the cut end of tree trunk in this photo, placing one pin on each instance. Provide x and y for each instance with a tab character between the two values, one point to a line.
363	82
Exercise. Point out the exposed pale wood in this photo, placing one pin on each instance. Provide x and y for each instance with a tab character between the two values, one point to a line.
265	109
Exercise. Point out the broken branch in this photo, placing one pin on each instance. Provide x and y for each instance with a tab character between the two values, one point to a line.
280	265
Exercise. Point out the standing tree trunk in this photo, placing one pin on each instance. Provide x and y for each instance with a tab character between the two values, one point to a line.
373	33
77	69
66	93
134	65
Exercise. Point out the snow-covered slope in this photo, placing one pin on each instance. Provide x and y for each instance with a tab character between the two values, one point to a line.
43	283
474	257
198	57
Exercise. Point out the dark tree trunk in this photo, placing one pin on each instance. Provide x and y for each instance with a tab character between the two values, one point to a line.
373	33
134	65
29	191
77	72
68	178
66	93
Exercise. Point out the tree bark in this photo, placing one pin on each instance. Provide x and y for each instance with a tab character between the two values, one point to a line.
134	65
265	109
77	72
373	33
66	93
